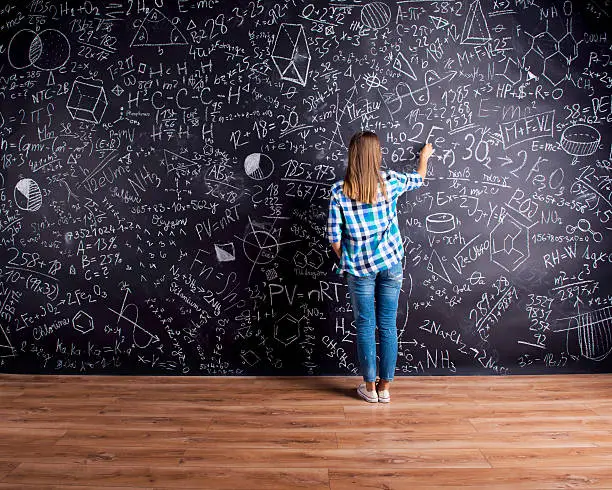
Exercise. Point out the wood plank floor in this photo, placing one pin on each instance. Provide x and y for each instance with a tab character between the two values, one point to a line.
120	432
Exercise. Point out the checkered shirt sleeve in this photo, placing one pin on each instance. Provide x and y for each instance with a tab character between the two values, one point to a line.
334	220
407	182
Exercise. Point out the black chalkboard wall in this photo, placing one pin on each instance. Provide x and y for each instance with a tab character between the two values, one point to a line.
166	167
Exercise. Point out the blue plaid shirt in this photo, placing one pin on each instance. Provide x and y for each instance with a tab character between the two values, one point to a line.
370	235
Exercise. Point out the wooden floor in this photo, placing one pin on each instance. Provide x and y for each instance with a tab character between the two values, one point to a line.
281	433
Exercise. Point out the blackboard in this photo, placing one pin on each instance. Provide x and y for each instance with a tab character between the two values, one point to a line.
166	167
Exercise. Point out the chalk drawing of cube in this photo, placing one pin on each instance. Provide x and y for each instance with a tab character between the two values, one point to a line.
87	101
82	322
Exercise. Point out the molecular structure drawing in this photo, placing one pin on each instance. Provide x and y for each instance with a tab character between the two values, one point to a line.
551	57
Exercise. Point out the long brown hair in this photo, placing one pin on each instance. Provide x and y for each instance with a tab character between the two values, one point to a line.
363	172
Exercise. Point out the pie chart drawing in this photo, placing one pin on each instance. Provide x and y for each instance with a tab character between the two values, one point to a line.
258	166
27	195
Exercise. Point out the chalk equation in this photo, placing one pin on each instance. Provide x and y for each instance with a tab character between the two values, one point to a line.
166	174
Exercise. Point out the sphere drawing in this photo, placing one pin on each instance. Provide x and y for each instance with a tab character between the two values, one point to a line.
28	196
376	15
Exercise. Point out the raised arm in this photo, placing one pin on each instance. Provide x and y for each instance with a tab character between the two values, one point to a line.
424	155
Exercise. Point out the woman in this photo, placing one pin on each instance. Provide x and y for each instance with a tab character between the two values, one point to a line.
363	230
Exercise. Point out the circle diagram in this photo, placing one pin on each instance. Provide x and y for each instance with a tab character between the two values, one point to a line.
28	196
376	15
260	247
19	49
258	166
46	50
580	140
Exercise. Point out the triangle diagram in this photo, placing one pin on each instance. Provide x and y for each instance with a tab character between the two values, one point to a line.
438	22
337	133
475	29
401	64
225	252
431	78
157	30
176	162
6	349
436	267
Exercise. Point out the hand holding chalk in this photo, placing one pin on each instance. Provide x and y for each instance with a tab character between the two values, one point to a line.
424	155
426	152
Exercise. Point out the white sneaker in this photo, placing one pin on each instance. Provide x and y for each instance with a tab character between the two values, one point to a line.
368	396
384	396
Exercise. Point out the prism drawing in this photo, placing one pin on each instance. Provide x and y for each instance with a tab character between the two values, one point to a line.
475	29
291	55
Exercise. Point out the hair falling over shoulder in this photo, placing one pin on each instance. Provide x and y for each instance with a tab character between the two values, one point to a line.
363	172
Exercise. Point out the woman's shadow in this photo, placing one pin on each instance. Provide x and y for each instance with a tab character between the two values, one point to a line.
337	386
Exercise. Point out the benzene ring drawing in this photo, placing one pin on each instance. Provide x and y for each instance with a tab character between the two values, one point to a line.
509	243
287	329
46	50
82	322
291	55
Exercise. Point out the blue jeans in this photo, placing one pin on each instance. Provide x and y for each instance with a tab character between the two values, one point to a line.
374	300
